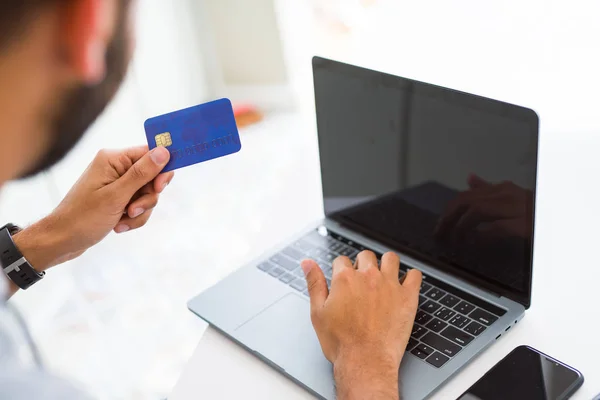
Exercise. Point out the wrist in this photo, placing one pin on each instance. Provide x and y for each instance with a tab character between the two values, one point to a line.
366	375
43	244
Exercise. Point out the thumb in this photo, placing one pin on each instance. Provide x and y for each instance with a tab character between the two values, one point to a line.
317	286
143	171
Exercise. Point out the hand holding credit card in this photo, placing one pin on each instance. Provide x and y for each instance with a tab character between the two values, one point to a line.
196	134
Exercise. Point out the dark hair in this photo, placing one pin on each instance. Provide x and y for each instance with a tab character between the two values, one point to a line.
16	16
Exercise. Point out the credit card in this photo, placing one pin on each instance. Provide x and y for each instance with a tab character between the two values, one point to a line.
196	134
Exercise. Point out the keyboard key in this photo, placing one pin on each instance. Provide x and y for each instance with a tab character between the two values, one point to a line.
328	257
328	282
422	351
422	299
305	292
436	325
276	271
299	285
411	344
401	275
314	237
323	264
348	252
483	317
460	321
266	266
435	294
430	307
418	331
299	273
437	359
425	287
444	313
357	246
449	300
328	272
287	278
316	252
422	317
442	345
474	328
464	308
284	262
457	336
336	247
294	254
304	245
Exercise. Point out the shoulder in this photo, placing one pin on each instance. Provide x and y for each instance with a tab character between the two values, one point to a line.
18	384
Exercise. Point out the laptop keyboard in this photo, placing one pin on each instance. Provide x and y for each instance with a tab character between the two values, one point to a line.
448	319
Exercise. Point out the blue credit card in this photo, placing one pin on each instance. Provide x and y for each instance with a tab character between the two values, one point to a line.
196	134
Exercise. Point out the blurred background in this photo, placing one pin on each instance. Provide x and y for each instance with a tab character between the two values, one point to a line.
115	319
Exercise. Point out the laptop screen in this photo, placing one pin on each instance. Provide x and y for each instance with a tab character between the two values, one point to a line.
443	176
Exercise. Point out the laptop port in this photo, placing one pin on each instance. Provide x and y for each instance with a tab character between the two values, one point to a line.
506	330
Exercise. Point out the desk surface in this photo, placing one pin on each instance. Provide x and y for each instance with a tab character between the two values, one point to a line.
562	322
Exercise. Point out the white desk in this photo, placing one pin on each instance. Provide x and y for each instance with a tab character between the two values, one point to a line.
564	320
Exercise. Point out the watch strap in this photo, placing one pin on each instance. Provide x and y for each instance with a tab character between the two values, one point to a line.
14	264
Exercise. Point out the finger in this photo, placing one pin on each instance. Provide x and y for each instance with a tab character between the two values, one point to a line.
135	153
413	280
128	224
475	181
460	205
366	259
142	204
146	189
317	286
390	266
142	172
341	263
452	214
162	180
476	216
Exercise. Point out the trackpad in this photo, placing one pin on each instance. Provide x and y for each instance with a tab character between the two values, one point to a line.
284	335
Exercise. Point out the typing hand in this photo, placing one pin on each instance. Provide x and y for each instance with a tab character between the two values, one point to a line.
364	322
495	209
116	192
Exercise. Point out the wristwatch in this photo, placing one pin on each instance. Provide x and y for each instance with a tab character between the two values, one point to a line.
14	264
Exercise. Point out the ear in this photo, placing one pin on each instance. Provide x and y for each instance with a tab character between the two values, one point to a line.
86	30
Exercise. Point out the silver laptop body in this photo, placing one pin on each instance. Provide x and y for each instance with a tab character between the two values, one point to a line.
465	305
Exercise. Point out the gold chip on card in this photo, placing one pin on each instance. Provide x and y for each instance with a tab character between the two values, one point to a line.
163	139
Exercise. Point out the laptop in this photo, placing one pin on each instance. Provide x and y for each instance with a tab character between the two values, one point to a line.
445	179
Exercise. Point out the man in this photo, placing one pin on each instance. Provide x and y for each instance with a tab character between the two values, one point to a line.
61	61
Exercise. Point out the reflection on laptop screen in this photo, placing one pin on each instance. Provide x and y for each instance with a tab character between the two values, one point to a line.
444	176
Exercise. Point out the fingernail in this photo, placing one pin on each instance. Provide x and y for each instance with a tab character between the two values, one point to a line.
164	186
137	212
306	266
121	228
159	155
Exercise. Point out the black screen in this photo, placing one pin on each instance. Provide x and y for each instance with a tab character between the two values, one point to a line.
524	374
444	176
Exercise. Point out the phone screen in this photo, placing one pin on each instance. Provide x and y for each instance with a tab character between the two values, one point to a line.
526	374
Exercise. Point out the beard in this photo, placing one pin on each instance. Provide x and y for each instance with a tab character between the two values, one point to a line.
83	104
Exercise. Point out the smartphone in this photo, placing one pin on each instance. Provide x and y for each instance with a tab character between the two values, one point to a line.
526	373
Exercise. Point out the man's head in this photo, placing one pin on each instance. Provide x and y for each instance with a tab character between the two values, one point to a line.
61	62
